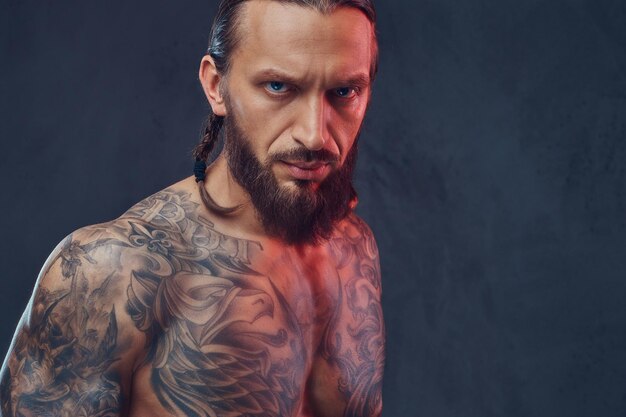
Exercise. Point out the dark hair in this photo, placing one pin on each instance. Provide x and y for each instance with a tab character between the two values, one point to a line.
223	42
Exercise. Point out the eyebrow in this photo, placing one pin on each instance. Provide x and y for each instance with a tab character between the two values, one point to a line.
274	74
359	80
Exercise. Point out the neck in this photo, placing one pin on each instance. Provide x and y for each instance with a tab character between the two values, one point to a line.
227	192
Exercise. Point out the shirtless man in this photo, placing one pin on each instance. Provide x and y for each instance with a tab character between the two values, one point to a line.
249	290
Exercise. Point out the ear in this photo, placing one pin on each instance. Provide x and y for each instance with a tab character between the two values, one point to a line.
211	80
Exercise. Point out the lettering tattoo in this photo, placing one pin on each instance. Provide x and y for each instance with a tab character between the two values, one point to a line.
221	339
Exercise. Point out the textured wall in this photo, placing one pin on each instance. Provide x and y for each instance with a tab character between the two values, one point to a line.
492	170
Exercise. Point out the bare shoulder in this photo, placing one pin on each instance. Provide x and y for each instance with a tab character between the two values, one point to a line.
358	266
165	209
354	342
77	343
353	245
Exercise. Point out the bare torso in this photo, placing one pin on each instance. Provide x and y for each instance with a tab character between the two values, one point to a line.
162	313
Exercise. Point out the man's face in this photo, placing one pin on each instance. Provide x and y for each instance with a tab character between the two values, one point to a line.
296	93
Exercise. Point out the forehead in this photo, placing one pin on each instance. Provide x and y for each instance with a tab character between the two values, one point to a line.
302	39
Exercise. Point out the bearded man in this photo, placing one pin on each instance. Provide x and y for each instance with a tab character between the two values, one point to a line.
250	289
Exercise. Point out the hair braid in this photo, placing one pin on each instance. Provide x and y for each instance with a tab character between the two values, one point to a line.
202	153
223	41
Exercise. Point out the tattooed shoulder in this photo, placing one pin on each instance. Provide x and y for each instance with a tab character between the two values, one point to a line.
354	341
160	290
74	339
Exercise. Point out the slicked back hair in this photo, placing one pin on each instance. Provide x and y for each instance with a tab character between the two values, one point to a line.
223	41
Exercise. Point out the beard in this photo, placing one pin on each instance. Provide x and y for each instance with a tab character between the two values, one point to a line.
303	214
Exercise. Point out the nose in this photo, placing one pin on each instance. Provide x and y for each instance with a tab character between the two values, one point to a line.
310	126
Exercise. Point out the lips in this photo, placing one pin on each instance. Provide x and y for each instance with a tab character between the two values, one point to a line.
308	171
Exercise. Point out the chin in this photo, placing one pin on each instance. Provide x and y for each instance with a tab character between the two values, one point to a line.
302	186
295	184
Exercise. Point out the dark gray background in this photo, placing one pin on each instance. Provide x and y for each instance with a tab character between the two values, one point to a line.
491	170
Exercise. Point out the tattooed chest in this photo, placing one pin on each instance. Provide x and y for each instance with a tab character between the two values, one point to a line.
220	346
227	334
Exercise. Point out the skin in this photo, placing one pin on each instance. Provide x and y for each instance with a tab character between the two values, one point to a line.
313	55
170	310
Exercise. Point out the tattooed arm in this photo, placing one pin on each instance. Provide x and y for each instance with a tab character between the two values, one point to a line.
73	351
352	353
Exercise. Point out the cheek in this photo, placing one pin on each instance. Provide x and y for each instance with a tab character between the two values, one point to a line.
261	122
345	128
243	111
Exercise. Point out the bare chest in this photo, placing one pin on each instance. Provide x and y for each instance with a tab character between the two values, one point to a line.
231	341
236	328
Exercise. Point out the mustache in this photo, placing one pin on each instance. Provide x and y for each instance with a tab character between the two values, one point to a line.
305	155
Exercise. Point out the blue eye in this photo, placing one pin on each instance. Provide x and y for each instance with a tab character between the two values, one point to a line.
345	92
276	86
